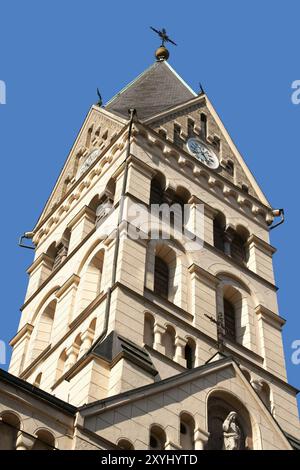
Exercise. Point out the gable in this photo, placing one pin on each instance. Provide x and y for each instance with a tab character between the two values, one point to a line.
99	129
133	413
175	125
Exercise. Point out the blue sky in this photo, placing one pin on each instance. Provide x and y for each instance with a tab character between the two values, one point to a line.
54	55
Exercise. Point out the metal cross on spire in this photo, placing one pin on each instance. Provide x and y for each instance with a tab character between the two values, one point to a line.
163	35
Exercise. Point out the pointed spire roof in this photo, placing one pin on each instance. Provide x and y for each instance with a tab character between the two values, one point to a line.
155	90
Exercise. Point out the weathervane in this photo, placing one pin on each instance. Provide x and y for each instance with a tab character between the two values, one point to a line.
164	37
162	52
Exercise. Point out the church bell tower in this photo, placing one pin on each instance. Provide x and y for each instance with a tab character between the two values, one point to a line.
151	316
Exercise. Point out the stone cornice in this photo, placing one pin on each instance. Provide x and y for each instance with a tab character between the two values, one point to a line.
161	302
178	318
43	258
72	281
197	100
261	244
270	317
240	266
208	278
160	386
83	182
199	169
140	165
27	329
209	211
85	211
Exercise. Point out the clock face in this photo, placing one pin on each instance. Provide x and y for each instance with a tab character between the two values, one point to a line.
203	153
89	160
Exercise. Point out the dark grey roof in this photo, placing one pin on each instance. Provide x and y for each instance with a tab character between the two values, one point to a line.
157	89
295	443
115	346
37	392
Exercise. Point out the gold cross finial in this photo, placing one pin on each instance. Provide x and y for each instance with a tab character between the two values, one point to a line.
163	35
162	52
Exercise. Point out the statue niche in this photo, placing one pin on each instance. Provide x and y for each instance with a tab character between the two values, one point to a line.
229	425
231	432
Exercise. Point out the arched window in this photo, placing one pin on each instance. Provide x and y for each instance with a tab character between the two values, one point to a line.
168	341
76	349
162	133
203	126
89	137
102	206
88	337
59	251
245	188
9	427
157	438
190	127
167	272
91	280
42	337
219	230
44	440
52	252
37	381
238	248
177	202
103	209
229	320
189	353
125	444
61	364
235	302
157	190
229	167
149	330
161	277
177	135
187	429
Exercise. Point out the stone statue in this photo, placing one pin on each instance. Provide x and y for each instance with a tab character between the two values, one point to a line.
231	432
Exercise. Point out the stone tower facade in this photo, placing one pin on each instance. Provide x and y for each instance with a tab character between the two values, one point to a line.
141	341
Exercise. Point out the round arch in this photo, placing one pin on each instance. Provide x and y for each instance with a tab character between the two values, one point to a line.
45	300
219	404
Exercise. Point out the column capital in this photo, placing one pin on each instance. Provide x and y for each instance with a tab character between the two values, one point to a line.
200	438
179	341
73	348
172	446
87	334
24	441
209	211
158	328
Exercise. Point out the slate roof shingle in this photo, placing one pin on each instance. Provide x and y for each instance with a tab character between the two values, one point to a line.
157	89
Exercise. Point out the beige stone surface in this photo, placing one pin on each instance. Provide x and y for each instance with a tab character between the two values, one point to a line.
72	301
